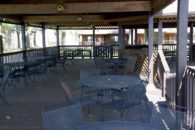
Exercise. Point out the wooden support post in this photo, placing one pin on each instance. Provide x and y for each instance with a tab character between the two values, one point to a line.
132	37
181	62
43	40
23	41
191	41
135	36
150	48
160	35
1	40
94	49
58	40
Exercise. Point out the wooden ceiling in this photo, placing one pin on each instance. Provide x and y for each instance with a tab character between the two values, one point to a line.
81	12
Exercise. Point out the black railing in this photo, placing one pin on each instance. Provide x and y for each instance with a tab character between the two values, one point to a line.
88	51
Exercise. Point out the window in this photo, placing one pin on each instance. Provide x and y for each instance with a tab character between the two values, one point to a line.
113	38
50	35
11	36
89	38
33	37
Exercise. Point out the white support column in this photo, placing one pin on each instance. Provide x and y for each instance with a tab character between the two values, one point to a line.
181	62
150	49
191	40
43	39
160	35
23	41
57	36
135	36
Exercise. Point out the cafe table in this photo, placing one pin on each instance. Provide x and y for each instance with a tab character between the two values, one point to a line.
118	125
110	81
22	66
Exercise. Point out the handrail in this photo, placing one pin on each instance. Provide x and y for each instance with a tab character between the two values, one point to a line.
164	61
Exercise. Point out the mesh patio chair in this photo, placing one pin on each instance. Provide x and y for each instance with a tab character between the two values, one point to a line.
128	99
63	118
86	73
3	86
39	70
103	66
173	117
85	100
130	64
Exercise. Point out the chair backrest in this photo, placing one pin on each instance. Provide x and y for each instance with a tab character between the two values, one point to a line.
173	117
130	64
100	63
85	73
138	91
63	118
45	66
67	92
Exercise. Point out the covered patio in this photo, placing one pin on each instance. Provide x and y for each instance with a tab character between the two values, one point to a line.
47	73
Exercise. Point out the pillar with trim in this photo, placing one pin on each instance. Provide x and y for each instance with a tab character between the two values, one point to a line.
181	61
150	48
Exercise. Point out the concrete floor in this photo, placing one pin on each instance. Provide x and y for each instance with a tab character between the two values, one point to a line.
27	102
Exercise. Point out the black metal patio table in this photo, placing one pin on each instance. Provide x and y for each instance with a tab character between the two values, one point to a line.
118	125
111	81
45	58
22	66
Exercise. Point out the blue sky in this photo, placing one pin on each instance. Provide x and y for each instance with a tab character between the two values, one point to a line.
173	7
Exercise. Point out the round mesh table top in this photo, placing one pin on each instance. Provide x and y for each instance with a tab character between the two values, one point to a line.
111	81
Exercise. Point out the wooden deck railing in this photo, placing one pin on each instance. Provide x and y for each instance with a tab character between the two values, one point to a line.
189	87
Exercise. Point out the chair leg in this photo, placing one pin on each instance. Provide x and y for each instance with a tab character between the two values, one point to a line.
141	112
146	105
121	116
88	109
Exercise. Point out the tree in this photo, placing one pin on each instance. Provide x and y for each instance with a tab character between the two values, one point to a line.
7	29
18	29
63	34
29	32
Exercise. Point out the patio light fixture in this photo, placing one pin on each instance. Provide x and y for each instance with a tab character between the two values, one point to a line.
60	6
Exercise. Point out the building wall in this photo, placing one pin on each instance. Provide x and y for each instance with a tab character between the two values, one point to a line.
100	39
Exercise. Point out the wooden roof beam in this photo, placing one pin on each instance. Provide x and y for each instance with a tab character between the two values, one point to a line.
158	5
71	8
68	18
125	19
76	24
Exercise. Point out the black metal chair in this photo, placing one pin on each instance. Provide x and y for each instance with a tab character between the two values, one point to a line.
85	100
61	117
132	97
